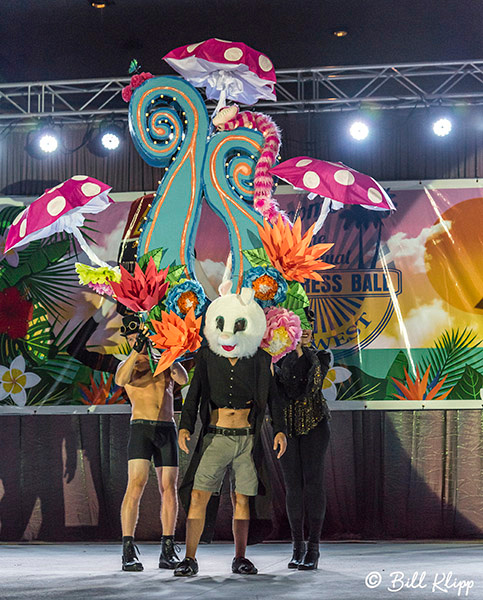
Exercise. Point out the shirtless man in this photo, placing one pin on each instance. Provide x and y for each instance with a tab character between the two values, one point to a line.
153	435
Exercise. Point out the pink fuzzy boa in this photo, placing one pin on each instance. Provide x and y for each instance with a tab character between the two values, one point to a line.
277	319
263	201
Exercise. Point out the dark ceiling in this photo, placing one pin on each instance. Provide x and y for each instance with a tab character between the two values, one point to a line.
44	40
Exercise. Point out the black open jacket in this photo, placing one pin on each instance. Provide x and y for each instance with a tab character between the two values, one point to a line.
265	397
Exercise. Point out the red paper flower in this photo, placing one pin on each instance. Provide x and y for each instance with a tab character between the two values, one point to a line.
141	291
15	313
126	93
136	81
139	78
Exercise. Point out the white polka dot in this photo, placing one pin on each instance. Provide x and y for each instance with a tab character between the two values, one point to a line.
77	178
18	217
193	47
265	63
23	228
224	41
374	195
91	189
54	188
344	177
311	180
56	206
233	54
303	163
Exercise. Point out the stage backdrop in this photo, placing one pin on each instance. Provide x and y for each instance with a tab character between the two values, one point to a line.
405	297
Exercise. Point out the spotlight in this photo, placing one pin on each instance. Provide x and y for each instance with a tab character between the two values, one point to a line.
442	127
43	141
359	130
106	139
110	140
48	143
100	3
340	32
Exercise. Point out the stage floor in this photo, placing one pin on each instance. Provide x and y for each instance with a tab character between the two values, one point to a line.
347	570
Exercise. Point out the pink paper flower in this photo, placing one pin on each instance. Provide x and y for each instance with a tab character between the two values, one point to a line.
282	334
136	80
126	93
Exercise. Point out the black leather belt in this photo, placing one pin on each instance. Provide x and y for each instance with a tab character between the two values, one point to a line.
231	430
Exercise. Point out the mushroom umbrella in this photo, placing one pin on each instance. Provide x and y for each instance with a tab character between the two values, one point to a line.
226	70
62	208
336	182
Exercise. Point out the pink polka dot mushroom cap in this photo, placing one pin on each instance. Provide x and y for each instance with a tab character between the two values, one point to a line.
62	208
336	182
227	70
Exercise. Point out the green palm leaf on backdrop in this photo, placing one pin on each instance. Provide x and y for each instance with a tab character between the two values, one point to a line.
469	386
454	350
54	287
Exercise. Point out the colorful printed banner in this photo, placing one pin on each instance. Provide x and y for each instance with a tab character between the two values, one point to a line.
401	312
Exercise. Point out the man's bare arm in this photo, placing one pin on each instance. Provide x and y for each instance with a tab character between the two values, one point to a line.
125	369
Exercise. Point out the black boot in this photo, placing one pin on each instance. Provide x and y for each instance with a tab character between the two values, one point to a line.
188	567
130	561
311	558
297	555
168	558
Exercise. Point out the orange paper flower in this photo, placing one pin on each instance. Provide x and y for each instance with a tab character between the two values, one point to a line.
175	336
289	251
417	390
141	291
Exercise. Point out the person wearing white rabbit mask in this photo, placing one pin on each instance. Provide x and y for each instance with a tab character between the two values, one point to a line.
231	388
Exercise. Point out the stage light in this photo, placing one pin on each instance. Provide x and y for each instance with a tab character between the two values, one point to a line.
43	141
340	32
106	139
48	143
442	127
100	3
359	130
110	140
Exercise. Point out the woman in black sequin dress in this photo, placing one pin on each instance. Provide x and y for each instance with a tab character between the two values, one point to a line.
300	375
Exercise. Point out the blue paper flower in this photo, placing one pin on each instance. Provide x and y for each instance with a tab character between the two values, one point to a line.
184	296
269	285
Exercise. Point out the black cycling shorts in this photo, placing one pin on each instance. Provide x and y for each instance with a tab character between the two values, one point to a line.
154	439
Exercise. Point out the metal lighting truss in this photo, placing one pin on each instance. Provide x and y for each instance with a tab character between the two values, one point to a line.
322	89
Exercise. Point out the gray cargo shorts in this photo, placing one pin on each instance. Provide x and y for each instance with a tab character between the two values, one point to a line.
221	452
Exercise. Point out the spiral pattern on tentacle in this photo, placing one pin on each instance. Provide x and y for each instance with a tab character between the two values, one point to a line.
169	127
160	125
228	179
239	172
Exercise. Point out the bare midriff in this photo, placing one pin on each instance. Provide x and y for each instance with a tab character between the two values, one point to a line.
230	417
234	418
151	397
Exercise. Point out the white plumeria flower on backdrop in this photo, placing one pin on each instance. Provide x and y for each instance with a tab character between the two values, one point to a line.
334	375
14	381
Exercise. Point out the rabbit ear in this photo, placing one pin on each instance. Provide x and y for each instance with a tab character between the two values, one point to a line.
225	288
246	295
226	283
228	268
